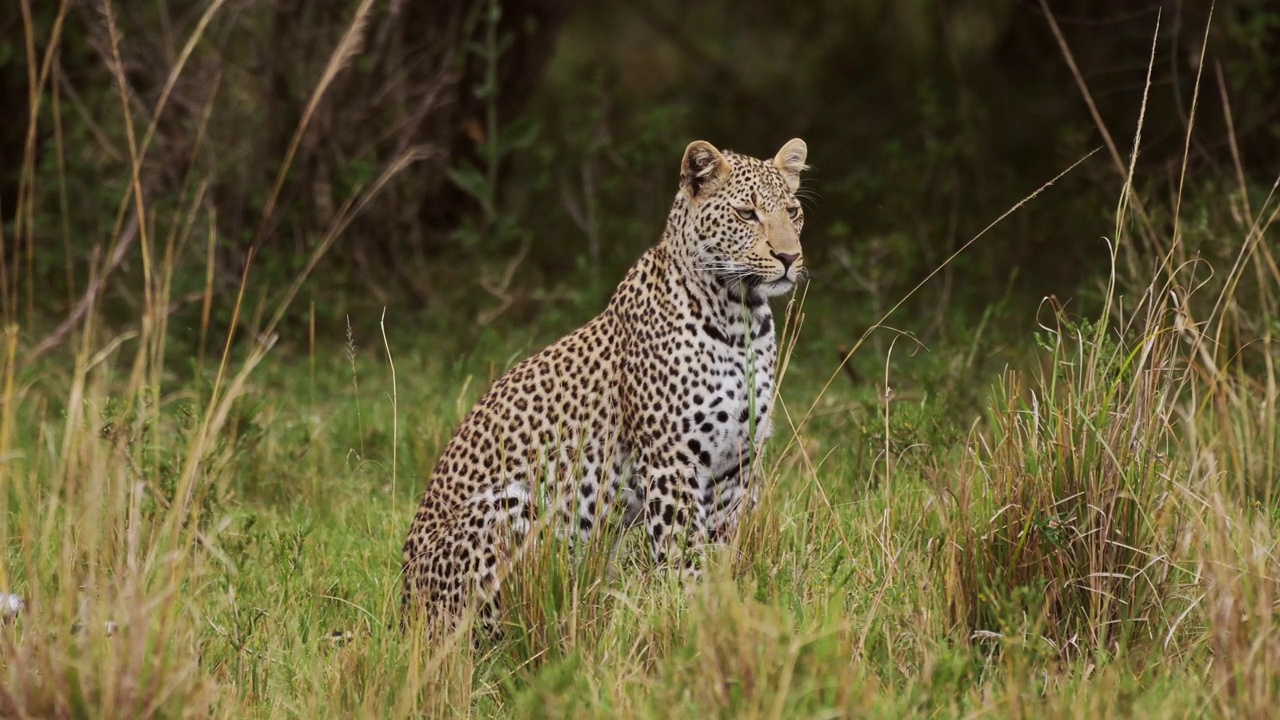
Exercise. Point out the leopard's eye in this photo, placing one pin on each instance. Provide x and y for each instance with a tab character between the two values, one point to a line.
747	214
794	212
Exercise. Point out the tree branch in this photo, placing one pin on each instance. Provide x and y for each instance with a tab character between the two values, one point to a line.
128	236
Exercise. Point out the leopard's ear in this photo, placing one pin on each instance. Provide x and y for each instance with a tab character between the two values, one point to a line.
703	169
790	162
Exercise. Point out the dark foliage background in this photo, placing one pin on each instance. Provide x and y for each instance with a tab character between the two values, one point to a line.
548	133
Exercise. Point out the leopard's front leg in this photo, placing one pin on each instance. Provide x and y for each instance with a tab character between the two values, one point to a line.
728	497
675	519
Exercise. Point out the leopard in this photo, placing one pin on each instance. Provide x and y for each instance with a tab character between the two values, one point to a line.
659	406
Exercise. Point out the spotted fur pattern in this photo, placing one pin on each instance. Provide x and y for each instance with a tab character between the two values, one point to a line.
659	404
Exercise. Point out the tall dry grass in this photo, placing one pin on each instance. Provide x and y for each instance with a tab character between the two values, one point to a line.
1118	506
110	471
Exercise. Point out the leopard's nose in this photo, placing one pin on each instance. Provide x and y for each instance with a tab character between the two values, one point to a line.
785	258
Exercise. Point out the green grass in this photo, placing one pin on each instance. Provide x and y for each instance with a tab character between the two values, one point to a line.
870	582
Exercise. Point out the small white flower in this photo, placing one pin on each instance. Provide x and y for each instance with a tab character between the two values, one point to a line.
11	605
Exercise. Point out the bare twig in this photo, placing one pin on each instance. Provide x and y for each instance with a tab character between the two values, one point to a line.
128	236
502	289
1130	197
348	49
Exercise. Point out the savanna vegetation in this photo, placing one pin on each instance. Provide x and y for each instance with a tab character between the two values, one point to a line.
260	257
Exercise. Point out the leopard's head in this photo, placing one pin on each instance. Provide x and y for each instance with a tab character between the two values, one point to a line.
741	219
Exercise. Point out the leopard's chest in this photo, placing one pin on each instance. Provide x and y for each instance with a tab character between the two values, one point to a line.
726	416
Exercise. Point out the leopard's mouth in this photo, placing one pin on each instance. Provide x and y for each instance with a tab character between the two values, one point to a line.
778	284
784	283
790	277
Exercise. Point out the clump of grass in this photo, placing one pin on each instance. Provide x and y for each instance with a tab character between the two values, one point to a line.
1233	457
556	594
106	468
1061	533
102	554
102	540
1122	503
706	651
1062	510
1240	579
